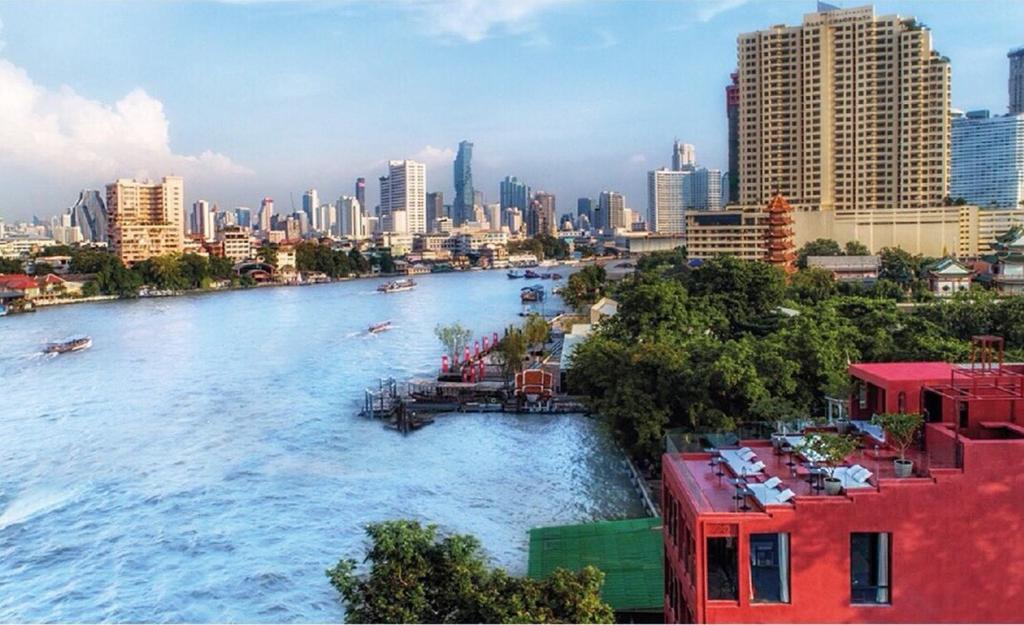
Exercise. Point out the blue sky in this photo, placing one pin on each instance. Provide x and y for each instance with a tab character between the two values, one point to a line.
248	99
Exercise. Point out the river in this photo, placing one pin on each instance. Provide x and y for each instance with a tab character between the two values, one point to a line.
204	461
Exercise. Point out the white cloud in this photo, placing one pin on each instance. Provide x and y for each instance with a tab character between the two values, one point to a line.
476	20
60	132
638	159
435	157
710	9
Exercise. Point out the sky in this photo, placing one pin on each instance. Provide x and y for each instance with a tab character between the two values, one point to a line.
254	98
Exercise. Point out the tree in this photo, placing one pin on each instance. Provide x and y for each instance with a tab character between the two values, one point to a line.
812	285
817	247
417	576
40	268
358	262
10	265
267	253
455	338
511	351
386	263
748	293
856	248
536	330
900	429
833	449
585	286
898	265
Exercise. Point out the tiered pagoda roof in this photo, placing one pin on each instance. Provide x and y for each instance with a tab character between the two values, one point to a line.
780	248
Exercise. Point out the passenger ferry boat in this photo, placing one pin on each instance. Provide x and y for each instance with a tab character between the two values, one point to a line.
397	286
75	344
533	293
377	328
514	274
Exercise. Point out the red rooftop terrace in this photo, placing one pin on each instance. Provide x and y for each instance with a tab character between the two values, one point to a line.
752	537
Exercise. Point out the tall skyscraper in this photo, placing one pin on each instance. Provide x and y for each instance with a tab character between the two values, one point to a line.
666	206
462	207
540	218
610	206
514	194
435	209
1016	81
145	218
847	112
732	113
349	220
89	215
243	217
684	156
988	159
266	214
404	189
585	207
202	221
493	213
361	192
310	204
705	189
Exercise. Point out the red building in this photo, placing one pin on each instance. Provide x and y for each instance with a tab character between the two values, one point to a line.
941	546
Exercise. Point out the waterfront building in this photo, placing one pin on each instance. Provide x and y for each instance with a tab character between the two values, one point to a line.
89	215
266	214
236	243
404	189
847	112
145	218
988	159
666	204
361	192
747	539
514	194
731	189
465	197
435	209
684	156
310	203
610	205
1016	81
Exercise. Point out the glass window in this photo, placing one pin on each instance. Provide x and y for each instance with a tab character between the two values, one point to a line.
722	568
870	560
769	568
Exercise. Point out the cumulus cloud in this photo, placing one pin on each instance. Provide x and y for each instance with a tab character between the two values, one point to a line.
435	157
476	20
63	133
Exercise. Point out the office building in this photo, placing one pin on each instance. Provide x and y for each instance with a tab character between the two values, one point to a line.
310	204
145	218
236	243
684	156
585	207
609	211
514	220
666	204
514	194
1016	82
361	192
731	189
493	215
705	189
541	215
404	189
435	209
266	214
349	218
847	112
465	196
202	221
923	545
988	159
89	215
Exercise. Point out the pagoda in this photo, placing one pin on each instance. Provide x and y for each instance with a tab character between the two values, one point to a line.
781	250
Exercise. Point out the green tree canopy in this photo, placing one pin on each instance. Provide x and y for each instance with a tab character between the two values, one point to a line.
585	286
817	247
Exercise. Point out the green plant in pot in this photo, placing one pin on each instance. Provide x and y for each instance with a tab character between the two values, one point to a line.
831	450
901	430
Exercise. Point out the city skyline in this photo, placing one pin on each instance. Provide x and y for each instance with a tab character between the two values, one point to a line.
238	135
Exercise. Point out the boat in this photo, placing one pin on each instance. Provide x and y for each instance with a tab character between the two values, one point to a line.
556	276
377	328
545	276
533	293
66	346
533	275
397	286
514	274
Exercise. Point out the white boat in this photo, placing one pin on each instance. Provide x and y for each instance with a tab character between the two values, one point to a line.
75	344
397	286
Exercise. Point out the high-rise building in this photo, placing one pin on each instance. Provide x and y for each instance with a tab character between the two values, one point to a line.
585	207
404	189
236	243
493	214
666	206
848	112
1016	81
705	191
266	214
89	215
361	192
243	217
541	215
202	221
609	207
145	218
514	194
310	204
462	207
684	156
349	220
732	112
988	159
435	209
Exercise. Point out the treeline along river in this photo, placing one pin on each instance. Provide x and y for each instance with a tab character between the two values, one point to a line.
204	460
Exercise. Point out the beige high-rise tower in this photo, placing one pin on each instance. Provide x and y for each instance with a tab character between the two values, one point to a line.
848	112
146	218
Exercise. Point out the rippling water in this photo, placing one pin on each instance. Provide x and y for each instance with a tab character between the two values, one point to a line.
204	460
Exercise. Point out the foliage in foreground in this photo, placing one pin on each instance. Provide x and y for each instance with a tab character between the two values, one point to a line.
417	576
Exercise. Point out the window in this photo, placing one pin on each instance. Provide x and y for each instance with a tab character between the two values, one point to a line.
769	568
870	561
722	568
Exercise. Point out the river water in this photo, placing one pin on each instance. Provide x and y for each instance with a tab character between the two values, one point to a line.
204	461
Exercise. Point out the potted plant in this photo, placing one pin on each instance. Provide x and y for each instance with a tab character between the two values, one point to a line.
900	431
830	450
